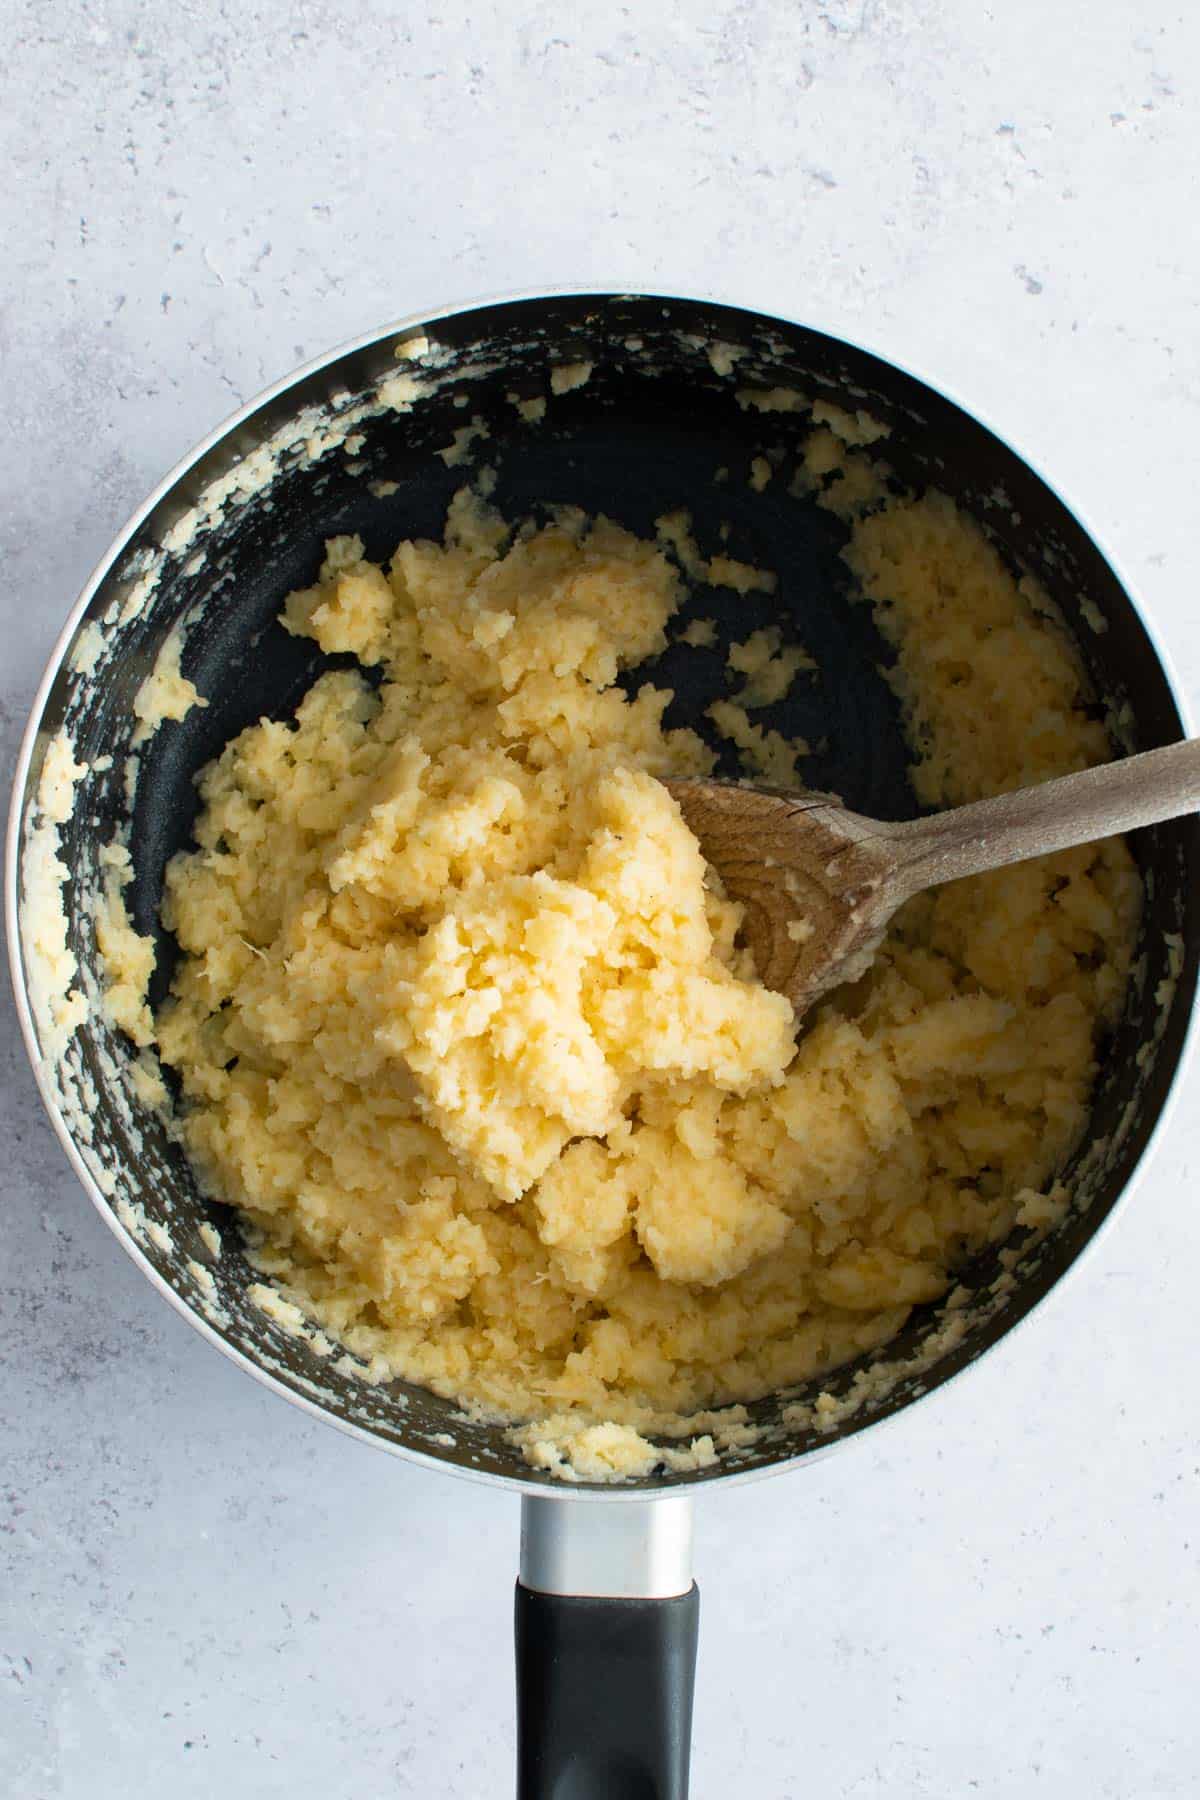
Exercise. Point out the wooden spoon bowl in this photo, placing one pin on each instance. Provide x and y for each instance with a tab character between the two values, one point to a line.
820	884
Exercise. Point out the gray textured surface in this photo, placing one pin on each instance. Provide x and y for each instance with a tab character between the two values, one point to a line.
203	1593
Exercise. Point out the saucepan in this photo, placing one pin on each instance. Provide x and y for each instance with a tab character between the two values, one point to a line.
606	1606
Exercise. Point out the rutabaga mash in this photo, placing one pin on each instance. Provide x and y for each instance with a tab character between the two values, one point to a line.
462	1025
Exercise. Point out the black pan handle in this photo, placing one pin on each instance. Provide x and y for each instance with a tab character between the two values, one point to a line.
604	1696
606	1623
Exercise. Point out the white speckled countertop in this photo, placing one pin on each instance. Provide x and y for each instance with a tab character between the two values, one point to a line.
205	1594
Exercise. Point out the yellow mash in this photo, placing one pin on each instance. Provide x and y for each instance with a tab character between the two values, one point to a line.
463	1030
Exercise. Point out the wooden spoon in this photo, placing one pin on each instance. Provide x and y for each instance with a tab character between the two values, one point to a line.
820	883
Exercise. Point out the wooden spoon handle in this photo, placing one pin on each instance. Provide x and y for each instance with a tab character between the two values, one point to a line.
1056	815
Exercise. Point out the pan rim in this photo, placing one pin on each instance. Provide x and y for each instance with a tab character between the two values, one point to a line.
544	1486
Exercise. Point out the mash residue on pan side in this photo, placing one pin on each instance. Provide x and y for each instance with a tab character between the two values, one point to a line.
462	1028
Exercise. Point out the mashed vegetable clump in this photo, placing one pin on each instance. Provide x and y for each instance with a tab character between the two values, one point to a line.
463	1028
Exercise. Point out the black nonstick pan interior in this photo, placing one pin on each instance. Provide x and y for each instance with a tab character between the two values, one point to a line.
654	428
